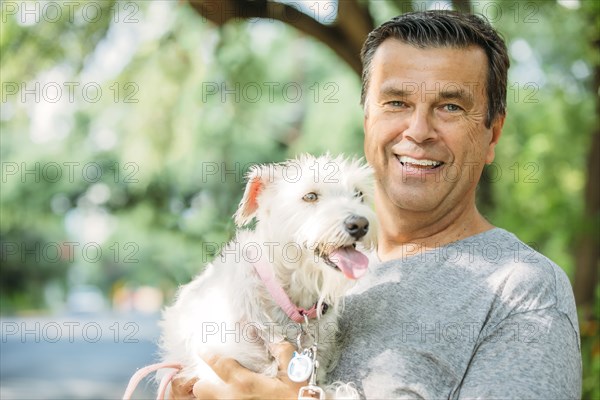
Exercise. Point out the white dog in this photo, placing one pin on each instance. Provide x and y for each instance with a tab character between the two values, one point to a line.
300	259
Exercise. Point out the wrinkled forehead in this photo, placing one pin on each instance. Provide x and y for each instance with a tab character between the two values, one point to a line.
402	67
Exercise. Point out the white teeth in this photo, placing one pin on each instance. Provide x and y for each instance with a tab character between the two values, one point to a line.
425	163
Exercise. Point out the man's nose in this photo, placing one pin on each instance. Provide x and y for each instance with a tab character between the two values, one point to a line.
420	128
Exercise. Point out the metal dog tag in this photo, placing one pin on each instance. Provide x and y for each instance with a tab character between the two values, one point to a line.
309	392
312	390
301	366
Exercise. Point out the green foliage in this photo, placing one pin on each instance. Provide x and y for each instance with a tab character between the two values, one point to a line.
542	154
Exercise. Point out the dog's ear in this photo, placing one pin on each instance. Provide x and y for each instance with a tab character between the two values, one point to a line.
257	178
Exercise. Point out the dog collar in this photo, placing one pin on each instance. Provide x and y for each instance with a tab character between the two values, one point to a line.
295	313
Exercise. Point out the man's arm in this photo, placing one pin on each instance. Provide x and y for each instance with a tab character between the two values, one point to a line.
533	355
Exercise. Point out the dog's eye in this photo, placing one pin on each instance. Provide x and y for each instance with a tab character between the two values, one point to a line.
310	197
359	194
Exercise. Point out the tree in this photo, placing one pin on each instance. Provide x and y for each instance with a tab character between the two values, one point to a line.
587	250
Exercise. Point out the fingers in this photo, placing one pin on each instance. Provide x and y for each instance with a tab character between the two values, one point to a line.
226	368
181	388
236	382
239	382
208	391
283	353
229	369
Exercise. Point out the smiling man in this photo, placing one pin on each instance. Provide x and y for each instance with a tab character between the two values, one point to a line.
452	307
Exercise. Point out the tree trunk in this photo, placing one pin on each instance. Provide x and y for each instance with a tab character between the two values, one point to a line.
588	251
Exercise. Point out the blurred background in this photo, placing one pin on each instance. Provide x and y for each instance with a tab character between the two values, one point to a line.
126	128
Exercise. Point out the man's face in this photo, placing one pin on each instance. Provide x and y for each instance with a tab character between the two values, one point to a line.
424	124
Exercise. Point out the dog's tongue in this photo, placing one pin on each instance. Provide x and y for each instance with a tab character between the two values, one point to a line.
351	262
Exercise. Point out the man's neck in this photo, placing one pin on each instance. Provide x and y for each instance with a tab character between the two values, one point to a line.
403	233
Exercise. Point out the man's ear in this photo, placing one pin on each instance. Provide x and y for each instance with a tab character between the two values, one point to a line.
257	180
496	133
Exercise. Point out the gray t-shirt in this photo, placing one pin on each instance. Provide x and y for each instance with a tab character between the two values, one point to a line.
485	317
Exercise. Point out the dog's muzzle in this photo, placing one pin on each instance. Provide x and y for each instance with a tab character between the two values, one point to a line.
351	262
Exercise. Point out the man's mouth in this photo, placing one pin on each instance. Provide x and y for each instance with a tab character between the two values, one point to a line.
351	262
422	164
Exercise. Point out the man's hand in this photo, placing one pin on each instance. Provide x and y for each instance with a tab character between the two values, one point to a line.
241	383
182	389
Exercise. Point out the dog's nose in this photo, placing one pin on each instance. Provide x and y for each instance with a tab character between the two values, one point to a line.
356	226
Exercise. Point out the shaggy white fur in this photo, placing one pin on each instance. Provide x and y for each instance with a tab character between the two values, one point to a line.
302	209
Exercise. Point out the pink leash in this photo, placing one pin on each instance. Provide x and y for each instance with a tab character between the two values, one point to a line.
295	313
143	372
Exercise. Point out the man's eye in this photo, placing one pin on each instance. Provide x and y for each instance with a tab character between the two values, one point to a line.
395	103
310	197
452	107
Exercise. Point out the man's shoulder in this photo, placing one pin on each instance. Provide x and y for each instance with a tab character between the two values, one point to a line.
504	270
491	255
520	278
516	267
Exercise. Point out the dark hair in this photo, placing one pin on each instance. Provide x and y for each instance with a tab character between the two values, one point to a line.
446	29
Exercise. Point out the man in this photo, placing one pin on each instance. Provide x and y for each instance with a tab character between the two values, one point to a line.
454	308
